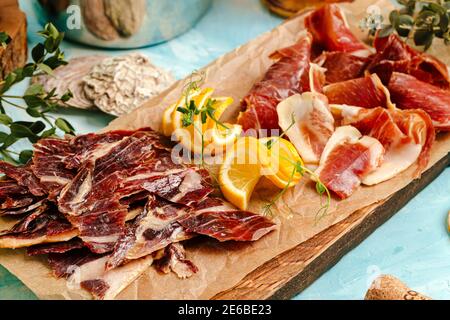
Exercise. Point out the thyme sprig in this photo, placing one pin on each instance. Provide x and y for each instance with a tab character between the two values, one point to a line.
418	20
46	56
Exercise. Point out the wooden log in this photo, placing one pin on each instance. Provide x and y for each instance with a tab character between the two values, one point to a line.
12	21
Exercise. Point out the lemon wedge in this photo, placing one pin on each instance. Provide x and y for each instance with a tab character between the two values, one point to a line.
278	158
167	124
240	172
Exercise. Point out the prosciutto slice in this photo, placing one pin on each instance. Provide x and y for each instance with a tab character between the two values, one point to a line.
331	32
394	55
59	247
43	225
406	135
286	77
174	259
366	92
84	269
348	158
341	66
313	124
410	93
24	176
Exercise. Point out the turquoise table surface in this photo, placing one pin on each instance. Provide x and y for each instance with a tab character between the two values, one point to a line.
413	245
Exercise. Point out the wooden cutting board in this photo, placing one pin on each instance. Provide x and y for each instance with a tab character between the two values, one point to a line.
292	271
12	21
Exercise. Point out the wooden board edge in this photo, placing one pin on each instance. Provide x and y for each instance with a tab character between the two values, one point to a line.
292	276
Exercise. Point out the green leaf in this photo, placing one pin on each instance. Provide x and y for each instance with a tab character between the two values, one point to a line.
386	32
25	156
5	119
64	125
48	133
38	53
320	188
35	113
21	131
34	89
34	101
66	96
3	137
4	39
404	25
423	38
37	127
45	68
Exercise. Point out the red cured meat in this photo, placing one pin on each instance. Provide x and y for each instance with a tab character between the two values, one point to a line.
394	55
342	66
61	247
394	128
174	259
329	29
346	165
366	92
63	264
286	77
410	93
24	177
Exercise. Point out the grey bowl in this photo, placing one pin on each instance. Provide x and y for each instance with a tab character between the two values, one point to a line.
121	23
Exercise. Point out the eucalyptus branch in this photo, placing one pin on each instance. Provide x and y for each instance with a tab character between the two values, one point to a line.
46	57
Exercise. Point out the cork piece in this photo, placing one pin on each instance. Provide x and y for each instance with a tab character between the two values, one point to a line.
448	221
12	21
387	287
96	21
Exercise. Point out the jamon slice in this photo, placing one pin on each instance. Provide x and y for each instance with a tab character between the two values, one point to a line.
60	247
15	199
48	163
43	225
174	259
15	207
394	55
331	32
347	159
317	78
406	135
218	219
366	92
24	177
87	270
410	93
154	229
286	77
308	122
341	66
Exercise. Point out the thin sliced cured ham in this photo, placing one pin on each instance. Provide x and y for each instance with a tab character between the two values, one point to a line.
24	177
43	225
59	247
174	259
286	77
308	122
366	92
394	55
86	270
341	66
410	93
154	229
331	31
347	159
407	136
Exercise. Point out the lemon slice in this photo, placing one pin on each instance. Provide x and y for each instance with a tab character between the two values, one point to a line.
278	158
167	124
191	136
240	172
222	136
220	105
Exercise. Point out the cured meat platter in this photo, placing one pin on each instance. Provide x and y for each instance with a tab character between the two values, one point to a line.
120	217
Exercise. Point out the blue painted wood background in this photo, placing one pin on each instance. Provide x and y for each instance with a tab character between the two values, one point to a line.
413	245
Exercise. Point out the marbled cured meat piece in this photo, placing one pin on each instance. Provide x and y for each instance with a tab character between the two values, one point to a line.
174	259
24	177
59	247
43	225
341	66
410	93
331	32
286	77
348	157
366	92
314	124
407	136
394	55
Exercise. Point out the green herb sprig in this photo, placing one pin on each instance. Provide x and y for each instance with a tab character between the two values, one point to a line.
421	21
46	56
